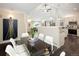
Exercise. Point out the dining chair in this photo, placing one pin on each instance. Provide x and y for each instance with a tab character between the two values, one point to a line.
21	49
41	36
13	42
11	51
62	53
25	35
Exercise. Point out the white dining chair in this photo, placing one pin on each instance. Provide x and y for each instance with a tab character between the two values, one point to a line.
49	40
13	42
41	36
25	35
20	49
62	53
11	51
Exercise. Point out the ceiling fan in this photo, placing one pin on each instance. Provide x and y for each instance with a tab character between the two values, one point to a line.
47	8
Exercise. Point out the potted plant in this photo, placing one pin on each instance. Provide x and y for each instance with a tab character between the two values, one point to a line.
33	31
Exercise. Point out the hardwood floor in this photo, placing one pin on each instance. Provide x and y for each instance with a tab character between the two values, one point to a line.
71	46
2	49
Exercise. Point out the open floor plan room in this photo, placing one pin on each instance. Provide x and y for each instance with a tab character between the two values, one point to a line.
39	29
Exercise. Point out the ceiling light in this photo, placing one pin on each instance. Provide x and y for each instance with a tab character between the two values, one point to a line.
46	8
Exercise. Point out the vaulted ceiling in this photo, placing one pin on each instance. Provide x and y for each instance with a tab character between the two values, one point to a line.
24	7
58	10
36	9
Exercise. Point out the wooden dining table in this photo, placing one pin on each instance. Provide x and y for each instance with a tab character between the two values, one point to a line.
39	47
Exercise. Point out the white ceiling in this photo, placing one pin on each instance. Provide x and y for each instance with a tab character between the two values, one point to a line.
58	10
34	9
24	7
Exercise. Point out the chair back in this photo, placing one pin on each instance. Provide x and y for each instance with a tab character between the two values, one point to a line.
22	50
13	42
62	53
49	40
10	50
41	36
25	35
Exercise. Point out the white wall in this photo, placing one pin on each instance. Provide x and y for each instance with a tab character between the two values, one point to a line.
1	30
16	15
58	40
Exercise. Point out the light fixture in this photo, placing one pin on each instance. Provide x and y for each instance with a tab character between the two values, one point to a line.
10	16
47	8
29	20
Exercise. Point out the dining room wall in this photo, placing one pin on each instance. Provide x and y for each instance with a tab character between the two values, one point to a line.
22	27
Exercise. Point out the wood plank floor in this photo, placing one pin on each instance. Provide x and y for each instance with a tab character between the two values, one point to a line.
71	46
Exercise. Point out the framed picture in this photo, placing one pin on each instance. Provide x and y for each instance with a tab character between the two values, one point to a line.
10	29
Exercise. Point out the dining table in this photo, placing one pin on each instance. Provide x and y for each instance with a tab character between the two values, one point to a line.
39	47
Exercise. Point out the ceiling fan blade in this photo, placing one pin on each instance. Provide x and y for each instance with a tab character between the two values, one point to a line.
50	9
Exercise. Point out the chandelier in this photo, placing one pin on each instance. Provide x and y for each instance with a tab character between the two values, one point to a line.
46	8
